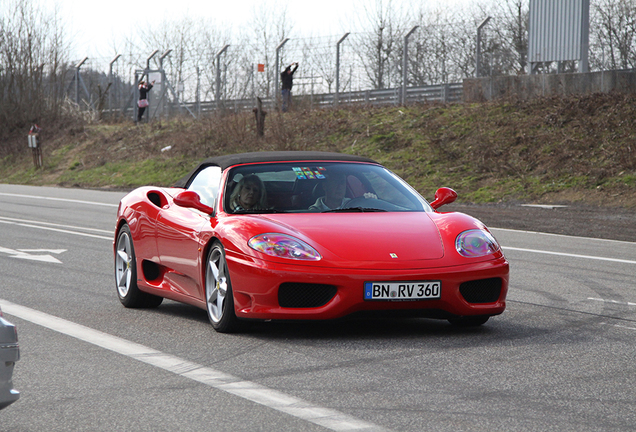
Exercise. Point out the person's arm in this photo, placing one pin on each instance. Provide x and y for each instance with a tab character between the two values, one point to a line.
319	205
295	67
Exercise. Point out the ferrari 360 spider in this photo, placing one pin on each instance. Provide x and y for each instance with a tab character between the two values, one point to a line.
305	236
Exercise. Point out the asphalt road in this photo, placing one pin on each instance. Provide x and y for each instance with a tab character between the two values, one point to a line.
561	357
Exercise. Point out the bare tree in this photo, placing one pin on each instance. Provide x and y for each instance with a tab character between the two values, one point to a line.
179	36
33	63
444	48
269	27
510	29
463	32
613	29
379	46
431	62
319	55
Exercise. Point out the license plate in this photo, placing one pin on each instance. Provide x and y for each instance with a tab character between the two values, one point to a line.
407	290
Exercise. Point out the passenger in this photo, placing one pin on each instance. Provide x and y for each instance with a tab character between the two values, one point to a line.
335	188
249	194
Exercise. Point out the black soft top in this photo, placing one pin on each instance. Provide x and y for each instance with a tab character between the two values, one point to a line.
227	161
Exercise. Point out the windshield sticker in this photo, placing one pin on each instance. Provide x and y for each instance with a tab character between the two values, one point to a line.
309	173
299	173
304	173
319	173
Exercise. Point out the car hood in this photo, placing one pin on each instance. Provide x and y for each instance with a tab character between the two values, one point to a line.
366	237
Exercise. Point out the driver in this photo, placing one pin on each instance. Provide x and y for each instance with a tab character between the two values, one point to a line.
335	187
249	194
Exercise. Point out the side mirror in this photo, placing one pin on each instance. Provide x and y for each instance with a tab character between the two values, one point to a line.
443	196
191	199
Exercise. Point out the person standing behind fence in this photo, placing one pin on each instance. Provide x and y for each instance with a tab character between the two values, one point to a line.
142	104
287	78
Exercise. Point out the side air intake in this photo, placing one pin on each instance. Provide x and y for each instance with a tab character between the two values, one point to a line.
481	291
304	295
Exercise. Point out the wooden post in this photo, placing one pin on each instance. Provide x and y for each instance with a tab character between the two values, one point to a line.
259	115
37	156
101	101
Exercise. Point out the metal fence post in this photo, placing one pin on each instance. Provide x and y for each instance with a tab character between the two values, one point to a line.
336	99
135	96
405	65
77	79
217	94
110	80
584	65
163	80
478	53
154	53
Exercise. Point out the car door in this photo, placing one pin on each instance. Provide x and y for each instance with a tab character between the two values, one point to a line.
178	244
179	241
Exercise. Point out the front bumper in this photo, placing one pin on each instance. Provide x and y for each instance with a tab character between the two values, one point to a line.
256	285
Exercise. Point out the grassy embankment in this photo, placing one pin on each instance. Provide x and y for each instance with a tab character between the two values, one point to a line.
552	150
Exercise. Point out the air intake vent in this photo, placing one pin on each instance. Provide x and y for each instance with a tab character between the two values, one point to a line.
303	295
481	291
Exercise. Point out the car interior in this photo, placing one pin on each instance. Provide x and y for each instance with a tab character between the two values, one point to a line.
294	188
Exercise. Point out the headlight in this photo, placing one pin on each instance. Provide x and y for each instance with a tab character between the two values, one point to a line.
476	243
283	246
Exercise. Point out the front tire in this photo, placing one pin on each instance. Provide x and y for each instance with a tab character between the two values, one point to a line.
126	274
218	291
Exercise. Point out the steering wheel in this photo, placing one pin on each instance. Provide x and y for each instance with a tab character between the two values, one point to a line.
360	201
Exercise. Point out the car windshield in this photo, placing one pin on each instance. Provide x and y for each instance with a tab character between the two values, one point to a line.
320	187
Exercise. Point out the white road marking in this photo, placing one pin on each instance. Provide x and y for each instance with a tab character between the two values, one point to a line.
48	228
325	417
8	219
544	206
620	326
561	235
59	199
55	251
570	255
21	254
612	301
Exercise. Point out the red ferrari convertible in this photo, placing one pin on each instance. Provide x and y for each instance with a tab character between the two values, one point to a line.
305	236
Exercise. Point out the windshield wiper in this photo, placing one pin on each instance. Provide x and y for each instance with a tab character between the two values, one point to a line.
354	210
259	211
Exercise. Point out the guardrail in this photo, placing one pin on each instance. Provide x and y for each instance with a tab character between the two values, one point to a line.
452	92
435	93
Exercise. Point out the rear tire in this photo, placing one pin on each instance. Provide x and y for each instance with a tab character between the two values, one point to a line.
218	292
469	321
126	274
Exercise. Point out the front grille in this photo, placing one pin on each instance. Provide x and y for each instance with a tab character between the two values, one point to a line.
481	291
304	295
